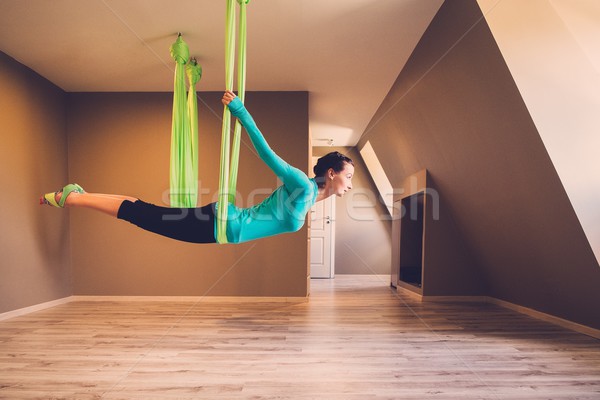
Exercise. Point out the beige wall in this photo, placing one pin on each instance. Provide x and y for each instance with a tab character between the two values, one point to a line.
456	111
362	223
119	143
34	241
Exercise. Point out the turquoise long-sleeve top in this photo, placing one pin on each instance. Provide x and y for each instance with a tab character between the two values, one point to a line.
286	208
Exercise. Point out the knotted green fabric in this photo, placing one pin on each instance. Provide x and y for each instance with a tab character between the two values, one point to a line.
184	131
229	169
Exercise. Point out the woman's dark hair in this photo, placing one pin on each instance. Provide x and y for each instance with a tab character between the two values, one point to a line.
334	160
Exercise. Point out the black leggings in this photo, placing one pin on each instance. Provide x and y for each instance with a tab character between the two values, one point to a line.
194	225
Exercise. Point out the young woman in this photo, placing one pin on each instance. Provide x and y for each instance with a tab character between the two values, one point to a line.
283	211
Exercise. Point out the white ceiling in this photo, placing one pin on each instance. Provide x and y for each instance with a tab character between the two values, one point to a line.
345	53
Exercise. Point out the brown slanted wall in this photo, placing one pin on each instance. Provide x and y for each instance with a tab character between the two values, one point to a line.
456	111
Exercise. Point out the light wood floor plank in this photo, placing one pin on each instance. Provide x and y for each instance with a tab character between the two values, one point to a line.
354	339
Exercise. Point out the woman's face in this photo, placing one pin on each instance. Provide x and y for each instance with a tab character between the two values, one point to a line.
341	181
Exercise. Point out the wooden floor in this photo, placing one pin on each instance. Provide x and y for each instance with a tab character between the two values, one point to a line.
354	339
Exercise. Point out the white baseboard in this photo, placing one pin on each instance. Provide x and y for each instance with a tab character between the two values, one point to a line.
574	326
191	299
595	333
194	299
34	308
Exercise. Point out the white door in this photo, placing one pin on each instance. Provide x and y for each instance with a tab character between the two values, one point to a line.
322	239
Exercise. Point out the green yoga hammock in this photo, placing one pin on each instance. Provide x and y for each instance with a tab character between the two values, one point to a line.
184	134
184	131
229	167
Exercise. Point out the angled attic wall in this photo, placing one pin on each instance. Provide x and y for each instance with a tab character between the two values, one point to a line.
455	110
553	53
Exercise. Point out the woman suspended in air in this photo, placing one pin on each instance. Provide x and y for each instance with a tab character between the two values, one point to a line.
283	211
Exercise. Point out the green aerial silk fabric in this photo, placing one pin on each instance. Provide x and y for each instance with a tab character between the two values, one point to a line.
194	73
225	135
237	132
229	162
183	172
